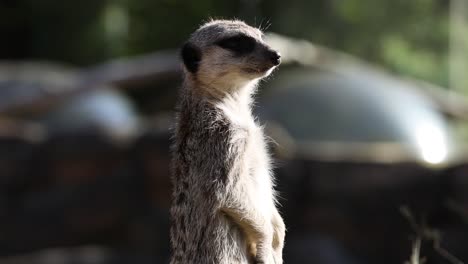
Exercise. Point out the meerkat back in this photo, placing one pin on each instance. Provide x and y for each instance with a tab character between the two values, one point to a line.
223	209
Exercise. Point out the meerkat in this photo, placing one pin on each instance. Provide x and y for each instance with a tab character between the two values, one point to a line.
224	207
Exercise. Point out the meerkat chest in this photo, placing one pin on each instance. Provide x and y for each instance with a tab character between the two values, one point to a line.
248	138
257	175
244	130
242	125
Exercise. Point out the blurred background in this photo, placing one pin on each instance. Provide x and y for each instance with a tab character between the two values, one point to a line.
368	116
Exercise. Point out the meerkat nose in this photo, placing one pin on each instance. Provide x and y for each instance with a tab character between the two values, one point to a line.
275	57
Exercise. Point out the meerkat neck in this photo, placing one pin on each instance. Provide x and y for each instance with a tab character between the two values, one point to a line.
241	93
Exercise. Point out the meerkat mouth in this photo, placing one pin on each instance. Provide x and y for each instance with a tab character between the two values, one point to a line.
258	70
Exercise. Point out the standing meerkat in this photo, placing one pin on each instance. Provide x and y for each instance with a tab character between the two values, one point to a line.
224	208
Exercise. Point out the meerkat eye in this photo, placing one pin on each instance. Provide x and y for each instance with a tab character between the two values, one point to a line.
240	44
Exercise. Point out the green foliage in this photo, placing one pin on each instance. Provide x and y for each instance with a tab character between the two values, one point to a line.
166	23
408	37
53	30
414	61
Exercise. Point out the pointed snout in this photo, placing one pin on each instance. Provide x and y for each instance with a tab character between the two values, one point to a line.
274	57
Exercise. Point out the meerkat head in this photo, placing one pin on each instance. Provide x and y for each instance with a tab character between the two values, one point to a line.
225	54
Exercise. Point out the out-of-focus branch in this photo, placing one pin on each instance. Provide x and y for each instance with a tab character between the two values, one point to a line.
415	253
424	232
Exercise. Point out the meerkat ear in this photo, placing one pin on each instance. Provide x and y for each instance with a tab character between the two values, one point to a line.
191	56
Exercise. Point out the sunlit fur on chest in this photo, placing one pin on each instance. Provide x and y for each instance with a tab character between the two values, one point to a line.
256	161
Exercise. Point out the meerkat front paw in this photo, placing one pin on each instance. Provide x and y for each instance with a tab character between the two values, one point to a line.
265	253
277	257
270	249
279	233
268	258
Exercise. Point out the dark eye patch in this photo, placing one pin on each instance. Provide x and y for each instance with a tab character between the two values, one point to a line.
240	44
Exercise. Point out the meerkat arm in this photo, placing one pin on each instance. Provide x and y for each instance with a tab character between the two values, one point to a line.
262	232
250	224
248	220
